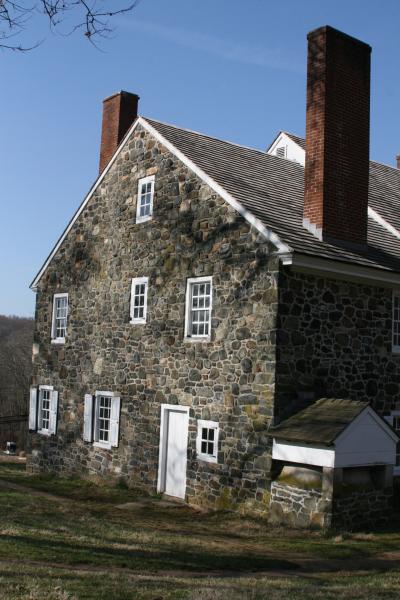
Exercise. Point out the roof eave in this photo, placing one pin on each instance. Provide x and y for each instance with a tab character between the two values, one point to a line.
346	270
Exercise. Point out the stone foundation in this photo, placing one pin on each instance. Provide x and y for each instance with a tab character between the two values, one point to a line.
362	509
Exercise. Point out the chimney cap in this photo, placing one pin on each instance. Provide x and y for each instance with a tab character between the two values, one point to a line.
121	93
328	29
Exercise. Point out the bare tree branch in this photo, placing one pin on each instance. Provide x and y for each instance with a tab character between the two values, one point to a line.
91	17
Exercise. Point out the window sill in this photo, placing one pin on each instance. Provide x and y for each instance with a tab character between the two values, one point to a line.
143	219
207	458
102	445
58	341
197	339
45	432
137	322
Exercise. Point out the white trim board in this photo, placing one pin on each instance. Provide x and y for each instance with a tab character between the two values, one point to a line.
250	218
335	268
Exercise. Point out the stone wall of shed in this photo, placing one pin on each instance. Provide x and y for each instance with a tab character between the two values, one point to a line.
362	509
300	507
334	340
229	379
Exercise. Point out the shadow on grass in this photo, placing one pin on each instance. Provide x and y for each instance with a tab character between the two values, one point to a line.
183	559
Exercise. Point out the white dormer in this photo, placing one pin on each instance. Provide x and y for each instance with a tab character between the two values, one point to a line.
286	146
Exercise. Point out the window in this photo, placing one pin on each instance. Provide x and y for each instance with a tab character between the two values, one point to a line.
60	316
139	300
144	207
44	414
396	322
207	440
198	308
101	419
43	408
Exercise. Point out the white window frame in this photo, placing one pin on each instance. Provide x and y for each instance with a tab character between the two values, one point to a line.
54	338
395	295
202	424
390	419
144	180
96	442
188	311
139	281
40	429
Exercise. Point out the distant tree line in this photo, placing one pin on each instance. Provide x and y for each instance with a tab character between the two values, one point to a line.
16	336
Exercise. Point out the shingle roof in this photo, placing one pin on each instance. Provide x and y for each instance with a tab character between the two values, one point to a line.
320	423
296	139
271	188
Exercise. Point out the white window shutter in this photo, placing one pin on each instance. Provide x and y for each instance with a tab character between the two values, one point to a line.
88	419
114	420
33	408
53	412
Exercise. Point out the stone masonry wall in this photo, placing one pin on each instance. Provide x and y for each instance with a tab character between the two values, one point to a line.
299	507
334	340
362	509
229	379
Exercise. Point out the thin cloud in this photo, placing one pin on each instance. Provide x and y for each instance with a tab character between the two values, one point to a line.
225	49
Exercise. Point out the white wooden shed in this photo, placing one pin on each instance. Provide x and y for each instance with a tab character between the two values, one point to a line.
335	433
333	463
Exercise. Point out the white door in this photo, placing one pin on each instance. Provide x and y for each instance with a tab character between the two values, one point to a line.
176	453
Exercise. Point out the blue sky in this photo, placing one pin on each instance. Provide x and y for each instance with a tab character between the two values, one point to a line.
234	69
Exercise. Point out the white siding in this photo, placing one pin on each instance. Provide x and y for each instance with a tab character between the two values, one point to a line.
366	441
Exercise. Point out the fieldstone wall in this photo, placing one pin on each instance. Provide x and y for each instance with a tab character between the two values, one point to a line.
362	509
300	507
334	340
230	379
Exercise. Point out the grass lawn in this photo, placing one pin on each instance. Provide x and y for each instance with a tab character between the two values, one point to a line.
66	539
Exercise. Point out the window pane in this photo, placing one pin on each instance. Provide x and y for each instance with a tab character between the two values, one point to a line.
104	414
45	409
200	314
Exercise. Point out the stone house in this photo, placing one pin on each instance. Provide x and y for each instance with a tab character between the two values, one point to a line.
205	292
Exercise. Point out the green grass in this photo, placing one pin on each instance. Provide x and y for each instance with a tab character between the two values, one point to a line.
64	539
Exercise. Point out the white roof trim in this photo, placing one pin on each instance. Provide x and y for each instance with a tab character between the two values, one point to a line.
250	218
348	271
378	219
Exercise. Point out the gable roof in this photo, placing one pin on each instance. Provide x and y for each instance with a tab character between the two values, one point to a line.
296	139
320	423
268	192
272	189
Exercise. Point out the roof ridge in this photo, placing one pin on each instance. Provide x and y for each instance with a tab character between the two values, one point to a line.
211	137
376	162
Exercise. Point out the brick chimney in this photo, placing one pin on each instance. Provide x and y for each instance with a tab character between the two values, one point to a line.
337	137
119	112
398	161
